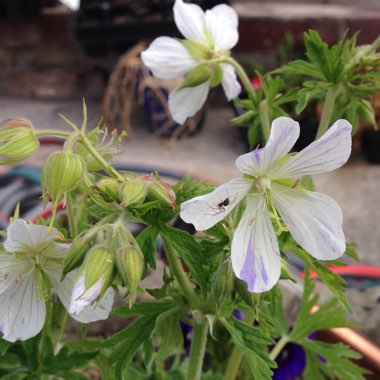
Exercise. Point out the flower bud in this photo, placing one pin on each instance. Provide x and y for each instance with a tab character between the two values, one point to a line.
77	252
99	266
18	140
200	74
130	265
132	193
108	188
61	172
158	191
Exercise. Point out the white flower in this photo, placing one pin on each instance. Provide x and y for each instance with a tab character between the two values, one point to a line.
30	260
211	34
269	185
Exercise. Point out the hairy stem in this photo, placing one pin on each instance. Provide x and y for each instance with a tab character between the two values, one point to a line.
53	133
237	354
328	109
103	163
243	77
278	347
197	351
180	275
265	119
71	215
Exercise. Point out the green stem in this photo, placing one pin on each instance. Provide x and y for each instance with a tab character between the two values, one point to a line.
243	77
180	275
265	119
278	347
237	354
104	164
328	109
197	351
71	215
53	133
58	323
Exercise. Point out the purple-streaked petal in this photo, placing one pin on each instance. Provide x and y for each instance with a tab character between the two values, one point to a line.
222	22
313	219
207	210
231	85
283	134
186	102
254	252
328	153
168	58
190	20
30	237
23	311
90	313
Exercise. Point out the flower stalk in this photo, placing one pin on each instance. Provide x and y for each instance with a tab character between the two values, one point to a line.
328	109
237	354
198	349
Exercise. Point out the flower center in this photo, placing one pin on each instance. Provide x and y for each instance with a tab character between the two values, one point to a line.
263	183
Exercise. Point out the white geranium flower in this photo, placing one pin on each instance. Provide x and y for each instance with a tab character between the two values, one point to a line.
31	258
269	185
210	35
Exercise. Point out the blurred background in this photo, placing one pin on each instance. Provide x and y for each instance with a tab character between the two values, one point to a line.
53	53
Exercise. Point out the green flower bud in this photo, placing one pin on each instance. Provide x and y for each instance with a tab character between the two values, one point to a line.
108	188
132	193
200	74
18	140
99	265
77	252
217	76
130	265
251	299
158	191
61	172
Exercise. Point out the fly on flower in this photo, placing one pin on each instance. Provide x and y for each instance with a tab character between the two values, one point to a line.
30	260
201	57
269	175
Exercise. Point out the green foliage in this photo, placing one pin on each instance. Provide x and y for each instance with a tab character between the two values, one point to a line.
351	71
270	102
334	282
252	342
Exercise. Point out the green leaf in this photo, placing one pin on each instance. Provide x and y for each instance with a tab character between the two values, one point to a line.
190	252
336	363
147	243
334	282
171	337
188	188
252	341
351	251
329	315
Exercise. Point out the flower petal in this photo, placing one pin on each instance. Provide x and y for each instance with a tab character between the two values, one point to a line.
82	297
185	102
31	237
329	152
90	313
283	134
168	58
222	23
190	20
13	269
313	219
207	210
231	85
254	252
23	311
